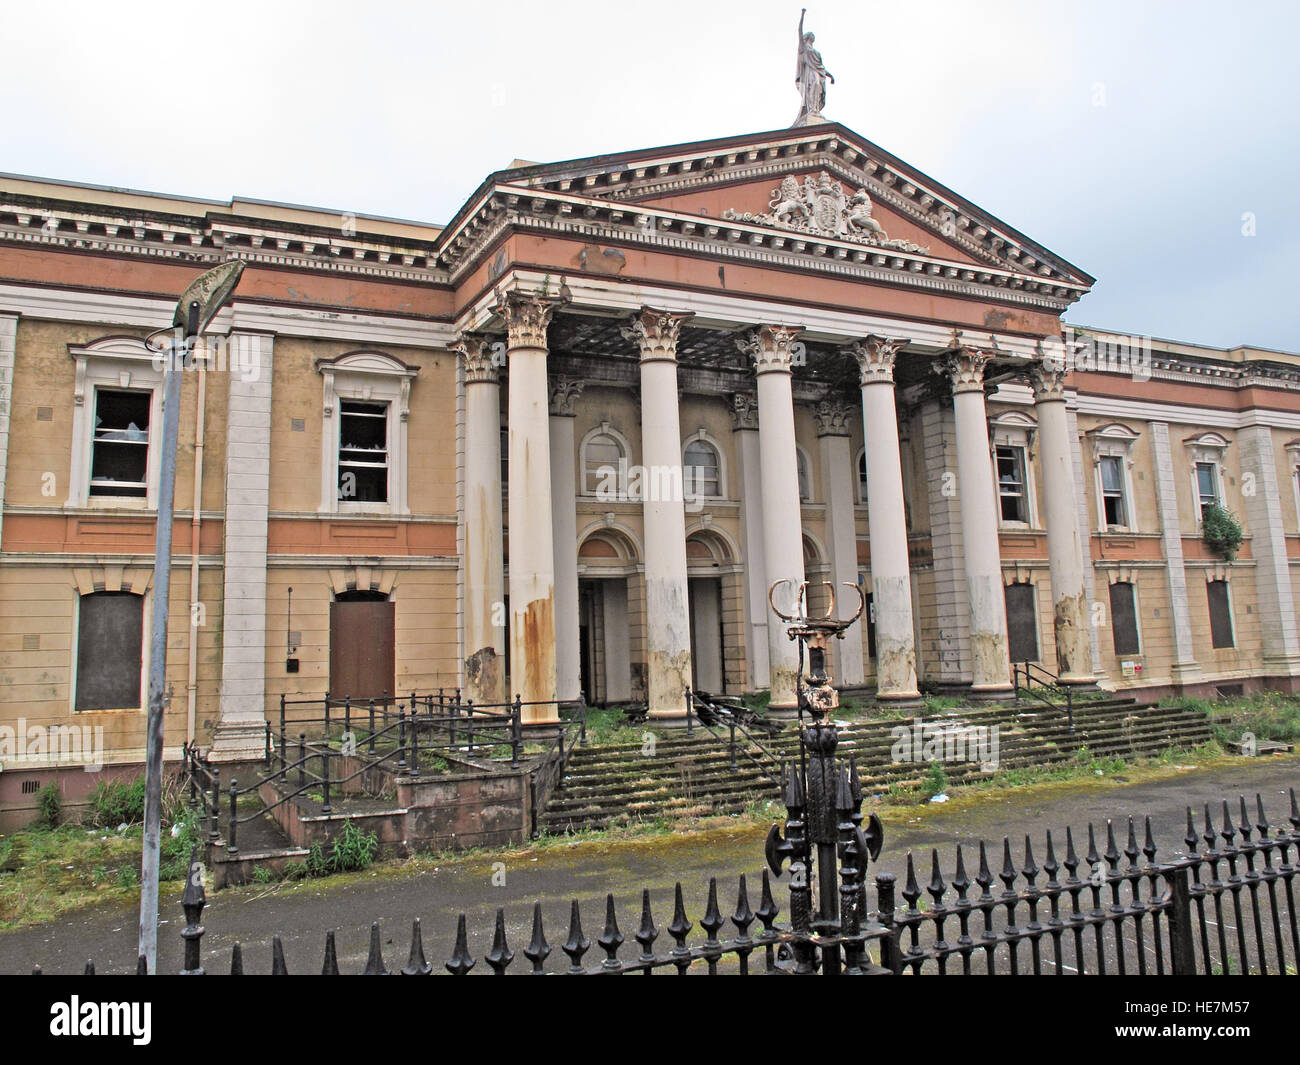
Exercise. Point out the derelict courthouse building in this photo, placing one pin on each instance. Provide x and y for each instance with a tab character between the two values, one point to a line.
562	446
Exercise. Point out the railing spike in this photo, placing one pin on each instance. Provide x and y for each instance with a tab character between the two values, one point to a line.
1092	857
330	966
1149	844
911	889
936	887
1295	812
611	938
538	950
1112	851
960	881
984	878
646	933
1071	858
744	916
89	970
1008	874
679	930
767	908
236	960
375	962
1192	840
1207	833
1245	827
416	964
1030	869
500	956
577	944
278	967
1131	848
1262	823
1050	865
1227	831
461	961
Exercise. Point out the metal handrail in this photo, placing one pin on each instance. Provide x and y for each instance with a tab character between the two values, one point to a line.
734	726
1052	679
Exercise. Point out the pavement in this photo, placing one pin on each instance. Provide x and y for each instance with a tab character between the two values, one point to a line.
588	869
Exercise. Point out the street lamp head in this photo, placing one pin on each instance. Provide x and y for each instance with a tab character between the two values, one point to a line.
209	290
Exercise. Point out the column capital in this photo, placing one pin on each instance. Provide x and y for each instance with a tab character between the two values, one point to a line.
833	417
875	357
774	348
482	366
656	333
744	411
1047	381
965	368
526	314
564	393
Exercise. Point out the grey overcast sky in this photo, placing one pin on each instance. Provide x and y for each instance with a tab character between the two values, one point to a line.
1138	140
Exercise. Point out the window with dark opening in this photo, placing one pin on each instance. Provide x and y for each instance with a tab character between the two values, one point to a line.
1112	491
1123	618
1022	622
110	633
363	452
119	460
1011	484
1221	634
862	477
1207	485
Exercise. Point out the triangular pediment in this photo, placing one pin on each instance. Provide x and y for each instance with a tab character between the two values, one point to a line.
742	178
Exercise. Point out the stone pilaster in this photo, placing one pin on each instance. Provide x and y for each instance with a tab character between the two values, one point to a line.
564	495
532	542
485	629
668	623
8	355
1065	550
891	575
1184	667
744	421
990	658
772	349
240	729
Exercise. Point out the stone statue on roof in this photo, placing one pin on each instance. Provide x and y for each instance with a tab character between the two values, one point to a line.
811	77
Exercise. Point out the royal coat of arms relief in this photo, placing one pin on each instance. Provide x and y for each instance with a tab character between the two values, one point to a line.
821	207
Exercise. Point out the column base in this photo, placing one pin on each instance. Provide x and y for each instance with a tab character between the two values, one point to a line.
238	741
668	719
991	693
899	700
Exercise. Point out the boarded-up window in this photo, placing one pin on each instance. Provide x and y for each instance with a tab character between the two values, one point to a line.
110	634
1123	618
1220	615
1022	622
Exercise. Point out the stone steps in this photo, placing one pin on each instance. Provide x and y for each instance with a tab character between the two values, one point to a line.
692	775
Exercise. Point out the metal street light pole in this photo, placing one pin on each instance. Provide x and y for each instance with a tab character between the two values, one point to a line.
195	309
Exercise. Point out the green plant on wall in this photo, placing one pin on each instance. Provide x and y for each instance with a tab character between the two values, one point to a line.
1221	531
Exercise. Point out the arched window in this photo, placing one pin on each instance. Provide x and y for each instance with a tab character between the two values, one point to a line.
604	464
805	475
862	476
703	469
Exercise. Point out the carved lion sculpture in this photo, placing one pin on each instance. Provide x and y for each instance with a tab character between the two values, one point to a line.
787	204
860	220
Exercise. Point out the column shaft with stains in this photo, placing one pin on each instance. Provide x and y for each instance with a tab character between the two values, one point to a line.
668	628
532	542
485	628
990	657
564	494
772	349
1064	545
891	575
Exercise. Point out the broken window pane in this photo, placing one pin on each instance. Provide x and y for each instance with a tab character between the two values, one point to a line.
119	460
363	452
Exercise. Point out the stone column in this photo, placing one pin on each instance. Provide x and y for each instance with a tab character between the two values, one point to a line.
485	629
668	623
990	658
1064	545
240	730
841	529
744	420
770	346
532	543
1273	592
1184	668
564	495
891	573
8	355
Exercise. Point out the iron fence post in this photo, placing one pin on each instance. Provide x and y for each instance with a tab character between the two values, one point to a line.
516	733
582	722
231	847
372	726
214	826
268	745
325	777
327	717
733	741
401	738
1182	949
302	759
282	734
690	725
347	715
891	957
192	902
469	725
1069	706
415	741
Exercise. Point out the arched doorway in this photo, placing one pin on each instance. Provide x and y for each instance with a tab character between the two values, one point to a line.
708	564
607	561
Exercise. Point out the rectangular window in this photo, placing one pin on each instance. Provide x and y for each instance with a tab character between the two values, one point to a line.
110	635
1221	634
1123	619
1112	491
119	459
363	452
1022	622
1207	485
1011	484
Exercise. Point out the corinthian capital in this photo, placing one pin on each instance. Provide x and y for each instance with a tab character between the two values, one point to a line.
774	348
875	358
526	315
564	394
482	365
1048	382
833	417
965	369
656	333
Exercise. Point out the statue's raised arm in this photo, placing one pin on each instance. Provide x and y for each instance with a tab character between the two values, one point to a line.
810	77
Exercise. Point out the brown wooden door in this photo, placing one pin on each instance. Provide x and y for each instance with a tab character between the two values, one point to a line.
362	655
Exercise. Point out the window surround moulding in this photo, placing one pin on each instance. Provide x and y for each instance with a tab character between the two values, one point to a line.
112	362
1208	447
1292	448
367	376
1015	428
1114	440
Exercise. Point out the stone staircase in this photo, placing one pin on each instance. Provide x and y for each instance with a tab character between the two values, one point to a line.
614	784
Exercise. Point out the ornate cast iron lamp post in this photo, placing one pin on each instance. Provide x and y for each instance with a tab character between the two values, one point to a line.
824	837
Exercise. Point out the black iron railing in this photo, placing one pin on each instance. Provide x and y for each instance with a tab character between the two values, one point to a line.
1024	675
714	716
